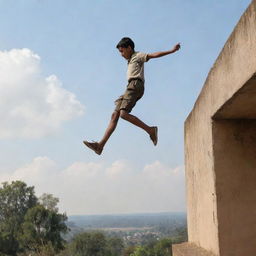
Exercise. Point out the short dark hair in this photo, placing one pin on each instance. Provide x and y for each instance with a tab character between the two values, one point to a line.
125	42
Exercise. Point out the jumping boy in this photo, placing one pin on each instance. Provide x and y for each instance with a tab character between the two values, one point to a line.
134	91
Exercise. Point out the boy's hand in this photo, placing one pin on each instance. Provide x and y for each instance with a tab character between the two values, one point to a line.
176	47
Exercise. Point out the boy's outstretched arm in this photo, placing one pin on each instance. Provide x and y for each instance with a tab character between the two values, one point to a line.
160	54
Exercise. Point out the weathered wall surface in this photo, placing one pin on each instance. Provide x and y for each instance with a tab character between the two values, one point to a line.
235	165
231	80
200	180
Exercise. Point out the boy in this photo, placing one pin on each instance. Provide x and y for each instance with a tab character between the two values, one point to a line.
134	91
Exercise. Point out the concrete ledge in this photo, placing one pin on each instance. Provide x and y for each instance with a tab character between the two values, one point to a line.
189	249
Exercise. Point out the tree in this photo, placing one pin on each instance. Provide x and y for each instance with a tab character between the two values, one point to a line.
15	200
115	246
42	228
129	250
88	244
140	251
49	202
163	247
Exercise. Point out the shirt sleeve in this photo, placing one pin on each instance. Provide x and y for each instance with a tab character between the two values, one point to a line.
142	57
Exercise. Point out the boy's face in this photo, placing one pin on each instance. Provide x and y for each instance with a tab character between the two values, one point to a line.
126	52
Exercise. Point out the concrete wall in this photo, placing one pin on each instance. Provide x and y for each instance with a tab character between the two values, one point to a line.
200	182
227	93
235	165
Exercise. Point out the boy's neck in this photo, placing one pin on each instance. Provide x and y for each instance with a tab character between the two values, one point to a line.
131	54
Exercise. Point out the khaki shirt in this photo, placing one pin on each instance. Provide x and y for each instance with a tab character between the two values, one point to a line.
136	66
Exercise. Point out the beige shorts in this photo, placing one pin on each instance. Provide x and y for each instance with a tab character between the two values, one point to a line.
134	91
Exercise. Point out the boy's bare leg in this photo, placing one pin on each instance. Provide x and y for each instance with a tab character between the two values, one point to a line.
151	130
97	147
110	129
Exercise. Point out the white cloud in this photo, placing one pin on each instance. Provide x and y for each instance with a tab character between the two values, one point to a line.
97	188
157	169
31	105
118	168
36	171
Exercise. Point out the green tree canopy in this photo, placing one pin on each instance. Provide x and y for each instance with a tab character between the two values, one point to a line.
49	202
88	244
26	225
129	250
163	247
15	200
42	227
140	251
115	246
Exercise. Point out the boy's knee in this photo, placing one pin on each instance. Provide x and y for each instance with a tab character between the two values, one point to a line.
123	114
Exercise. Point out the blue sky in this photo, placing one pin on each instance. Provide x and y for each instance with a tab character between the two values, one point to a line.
60	76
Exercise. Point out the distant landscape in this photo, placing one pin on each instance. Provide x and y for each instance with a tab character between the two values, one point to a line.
133	229
33	226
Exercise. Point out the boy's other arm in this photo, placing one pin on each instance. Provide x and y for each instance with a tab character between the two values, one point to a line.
161	54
